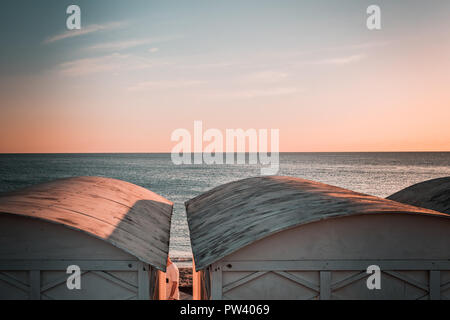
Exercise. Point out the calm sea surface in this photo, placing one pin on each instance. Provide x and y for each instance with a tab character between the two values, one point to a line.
379	174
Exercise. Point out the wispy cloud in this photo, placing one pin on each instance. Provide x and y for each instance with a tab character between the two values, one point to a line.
224	64
153	50
126	44
364	45
110	63
84	30
254	93
119	45
264	93
265	77
164	84
339	60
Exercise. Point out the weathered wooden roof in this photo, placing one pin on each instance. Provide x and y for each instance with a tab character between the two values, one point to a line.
432	194
129	217
239	213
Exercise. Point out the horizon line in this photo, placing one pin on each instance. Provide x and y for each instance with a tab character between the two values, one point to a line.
164	152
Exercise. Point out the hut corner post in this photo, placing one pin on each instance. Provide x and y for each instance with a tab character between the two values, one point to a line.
325	285
435	285
216	281
143	281
35	284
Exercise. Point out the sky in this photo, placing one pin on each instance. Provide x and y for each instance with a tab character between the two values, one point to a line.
138	70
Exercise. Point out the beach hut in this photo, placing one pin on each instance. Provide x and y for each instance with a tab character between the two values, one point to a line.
289	238
432	194
83	238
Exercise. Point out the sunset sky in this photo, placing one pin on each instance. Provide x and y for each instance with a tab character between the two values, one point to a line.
138	70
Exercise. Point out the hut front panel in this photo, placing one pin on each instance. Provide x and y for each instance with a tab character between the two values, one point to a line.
114	285
445	285
51	284
381	236
328	260
14	285
27	238
395	284
35	254
259	285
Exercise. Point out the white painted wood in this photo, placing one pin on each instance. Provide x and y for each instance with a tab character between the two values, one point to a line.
14	282
127	216
94	285
243	280
311	265
100	265
216	282
265	285
45	247
410	285
435	285
325	285
26	239
51	248
14	285
342	283
35	284
445	287
407	280
56	282
298	280
235	215
338	279
115	280
144	281
363	237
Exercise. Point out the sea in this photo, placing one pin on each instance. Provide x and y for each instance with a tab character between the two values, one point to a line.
375	173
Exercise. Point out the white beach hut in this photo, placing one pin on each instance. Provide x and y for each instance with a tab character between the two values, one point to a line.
289	238
115	232
431	194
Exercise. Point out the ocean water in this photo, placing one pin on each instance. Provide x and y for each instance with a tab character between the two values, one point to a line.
379	174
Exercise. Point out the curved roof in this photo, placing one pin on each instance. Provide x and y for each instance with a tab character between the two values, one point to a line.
432	194
239	213
129	217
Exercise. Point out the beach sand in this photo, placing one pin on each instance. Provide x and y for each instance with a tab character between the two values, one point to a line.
185	285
